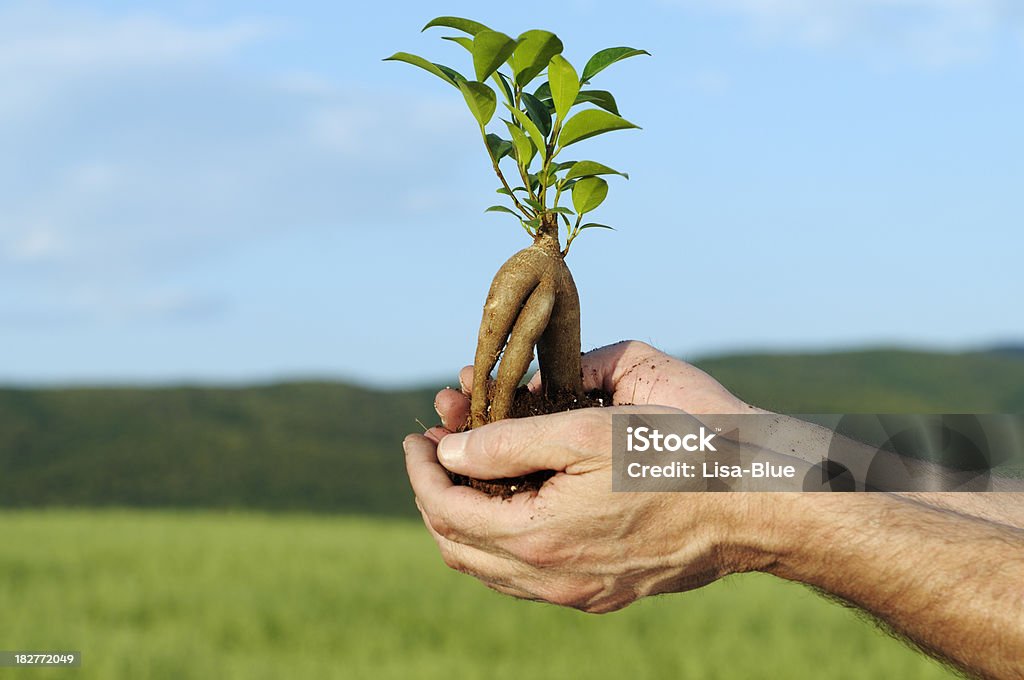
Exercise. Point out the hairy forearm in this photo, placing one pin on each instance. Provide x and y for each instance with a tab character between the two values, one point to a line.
1004	508
952	584
1003	503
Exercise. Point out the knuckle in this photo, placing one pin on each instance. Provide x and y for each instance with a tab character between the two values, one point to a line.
590	426
443	526
498	440
639	346
603	607
541	552
575	596
452	559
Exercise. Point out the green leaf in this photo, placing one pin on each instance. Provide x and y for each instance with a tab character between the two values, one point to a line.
502	80
490	50
589	123
601	98
481	100
606	58
458	23
504	191
543	92
443	72
451	73
538	113
501	208
533	54
533	203
498	147
565	84
588	193
531	225
523	146
595	225
591	168
530	127
561	210
462	40
558	167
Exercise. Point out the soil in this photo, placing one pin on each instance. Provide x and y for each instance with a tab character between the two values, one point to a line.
525	404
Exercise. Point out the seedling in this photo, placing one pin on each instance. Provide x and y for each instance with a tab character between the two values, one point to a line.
546	107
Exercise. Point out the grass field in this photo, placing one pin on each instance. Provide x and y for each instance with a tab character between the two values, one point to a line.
218	595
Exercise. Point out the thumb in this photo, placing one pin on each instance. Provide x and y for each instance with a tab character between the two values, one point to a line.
514	447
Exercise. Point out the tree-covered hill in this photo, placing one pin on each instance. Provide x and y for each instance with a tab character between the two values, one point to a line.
336	447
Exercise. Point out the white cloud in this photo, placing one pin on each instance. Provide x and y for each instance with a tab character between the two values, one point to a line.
36	244
39	38
44	49
933	31
133	152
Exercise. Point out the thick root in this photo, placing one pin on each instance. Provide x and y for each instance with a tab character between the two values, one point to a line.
534	300
529	327
558	350
512	285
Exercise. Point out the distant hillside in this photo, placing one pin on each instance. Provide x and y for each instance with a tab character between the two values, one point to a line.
875	381
329	447
335	447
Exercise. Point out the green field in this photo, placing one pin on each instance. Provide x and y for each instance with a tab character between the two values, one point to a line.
148	594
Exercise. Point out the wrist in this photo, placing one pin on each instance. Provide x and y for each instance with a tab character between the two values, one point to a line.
759	531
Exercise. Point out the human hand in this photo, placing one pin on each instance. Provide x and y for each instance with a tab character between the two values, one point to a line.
632	372
574	542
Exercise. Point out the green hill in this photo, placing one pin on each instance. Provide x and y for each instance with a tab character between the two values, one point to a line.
876	381
335	448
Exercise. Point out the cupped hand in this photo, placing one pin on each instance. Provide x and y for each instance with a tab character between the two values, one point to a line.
632	372
573	542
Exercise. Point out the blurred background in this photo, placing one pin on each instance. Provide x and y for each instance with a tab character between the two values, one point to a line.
239	253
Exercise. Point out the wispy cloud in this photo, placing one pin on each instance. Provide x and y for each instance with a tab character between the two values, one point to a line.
936	32
36	36
133	149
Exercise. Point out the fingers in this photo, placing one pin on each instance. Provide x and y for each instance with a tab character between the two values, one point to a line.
604	367
509	448
466	380
425	473
436	433
497	571
458	513
453	408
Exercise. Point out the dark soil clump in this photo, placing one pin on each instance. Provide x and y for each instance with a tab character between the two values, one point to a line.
525	404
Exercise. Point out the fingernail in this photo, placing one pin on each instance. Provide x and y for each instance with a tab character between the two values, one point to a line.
452	449
405	445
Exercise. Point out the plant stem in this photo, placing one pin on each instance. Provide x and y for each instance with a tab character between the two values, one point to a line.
494	162
573	233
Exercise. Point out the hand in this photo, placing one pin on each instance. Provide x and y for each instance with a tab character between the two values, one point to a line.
633	372
574	542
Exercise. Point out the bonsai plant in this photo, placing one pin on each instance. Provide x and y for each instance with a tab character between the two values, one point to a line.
548	107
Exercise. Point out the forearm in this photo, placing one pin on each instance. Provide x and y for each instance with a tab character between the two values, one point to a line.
952	584
1002	507
1004	503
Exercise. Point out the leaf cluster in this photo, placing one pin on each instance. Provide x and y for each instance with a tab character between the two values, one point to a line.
538	89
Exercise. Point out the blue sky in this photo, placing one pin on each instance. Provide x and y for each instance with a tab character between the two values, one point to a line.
244	191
